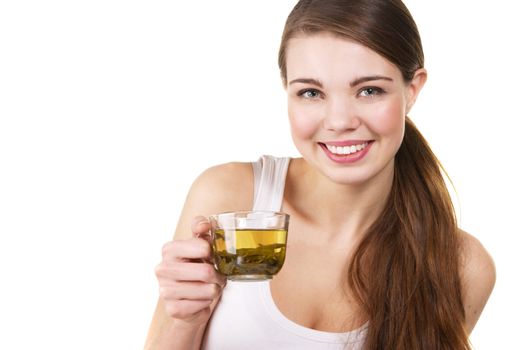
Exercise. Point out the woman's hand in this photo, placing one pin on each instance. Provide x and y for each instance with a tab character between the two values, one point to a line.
189	284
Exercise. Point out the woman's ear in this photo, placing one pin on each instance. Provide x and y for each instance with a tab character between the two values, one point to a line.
415	86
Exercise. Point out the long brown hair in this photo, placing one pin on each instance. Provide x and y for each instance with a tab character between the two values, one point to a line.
405	272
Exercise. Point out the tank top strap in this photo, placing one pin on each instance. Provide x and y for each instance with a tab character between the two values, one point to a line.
269	177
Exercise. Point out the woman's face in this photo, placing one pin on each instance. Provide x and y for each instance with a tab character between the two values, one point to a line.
347	106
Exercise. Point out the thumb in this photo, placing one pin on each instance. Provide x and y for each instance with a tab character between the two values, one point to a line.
201	227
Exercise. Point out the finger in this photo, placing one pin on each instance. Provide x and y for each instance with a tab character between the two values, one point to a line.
200	226
193	248
191	291
188	271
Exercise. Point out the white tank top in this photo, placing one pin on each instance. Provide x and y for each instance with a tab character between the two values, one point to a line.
246	317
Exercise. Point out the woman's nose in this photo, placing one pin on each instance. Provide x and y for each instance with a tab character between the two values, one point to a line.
341	115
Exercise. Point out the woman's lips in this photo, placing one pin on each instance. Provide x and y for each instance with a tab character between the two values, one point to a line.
344	152
346	142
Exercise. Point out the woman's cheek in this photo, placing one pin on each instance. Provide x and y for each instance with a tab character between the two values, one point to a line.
303	124
390	120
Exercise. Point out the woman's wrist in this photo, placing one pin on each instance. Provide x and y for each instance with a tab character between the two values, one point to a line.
178	334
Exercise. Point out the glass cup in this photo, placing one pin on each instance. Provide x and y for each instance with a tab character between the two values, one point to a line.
249	245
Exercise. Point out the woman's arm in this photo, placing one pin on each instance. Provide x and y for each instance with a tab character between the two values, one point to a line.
168	333
478	276
189	287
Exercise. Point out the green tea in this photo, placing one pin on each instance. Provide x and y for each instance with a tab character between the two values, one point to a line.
241	252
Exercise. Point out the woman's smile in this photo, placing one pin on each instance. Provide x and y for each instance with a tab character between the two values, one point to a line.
346	151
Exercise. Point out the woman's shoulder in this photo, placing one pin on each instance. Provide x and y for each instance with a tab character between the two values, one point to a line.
221	188
478	276
226	173
476	260
225	187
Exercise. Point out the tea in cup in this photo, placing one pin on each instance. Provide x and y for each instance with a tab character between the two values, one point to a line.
249	245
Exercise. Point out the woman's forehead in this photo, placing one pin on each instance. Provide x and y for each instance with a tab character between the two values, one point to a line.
325	55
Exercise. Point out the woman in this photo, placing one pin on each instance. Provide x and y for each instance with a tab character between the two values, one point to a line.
375	259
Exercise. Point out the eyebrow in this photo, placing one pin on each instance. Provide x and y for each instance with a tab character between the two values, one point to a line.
354	83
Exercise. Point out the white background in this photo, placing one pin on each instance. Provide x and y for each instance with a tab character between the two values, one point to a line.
109	109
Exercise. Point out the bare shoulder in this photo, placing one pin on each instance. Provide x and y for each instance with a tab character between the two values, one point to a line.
478	276
224	187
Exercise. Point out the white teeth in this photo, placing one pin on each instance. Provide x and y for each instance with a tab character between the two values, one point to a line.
346	149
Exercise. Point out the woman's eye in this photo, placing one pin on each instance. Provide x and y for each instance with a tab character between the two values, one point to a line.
309	94
371	91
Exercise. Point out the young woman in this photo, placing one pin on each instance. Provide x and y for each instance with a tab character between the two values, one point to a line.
375	259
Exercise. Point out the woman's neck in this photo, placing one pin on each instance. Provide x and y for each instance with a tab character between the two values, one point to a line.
340	207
